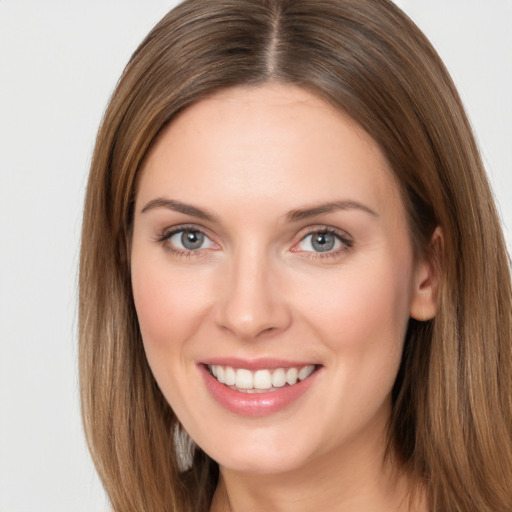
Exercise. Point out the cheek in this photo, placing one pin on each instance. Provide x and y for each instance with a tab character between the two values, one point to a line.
374	297
362	316
168	302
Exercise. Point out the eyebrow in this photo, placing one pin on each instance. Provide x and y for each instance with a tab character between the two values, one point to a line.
178	206
291	216
313	211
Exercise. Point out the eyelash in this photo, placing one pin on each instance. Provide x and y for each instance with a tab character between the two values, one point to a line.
165	237
342	237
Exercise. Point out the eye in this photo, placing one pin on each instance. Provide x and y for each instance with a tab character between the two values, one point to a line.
319	242
323	241
186	240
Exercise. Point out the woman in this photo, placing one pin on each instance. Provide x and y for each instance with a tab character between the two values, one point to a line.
294	291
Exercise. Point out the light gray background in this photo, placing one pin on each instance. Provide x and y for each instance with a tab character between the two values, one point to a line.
59	61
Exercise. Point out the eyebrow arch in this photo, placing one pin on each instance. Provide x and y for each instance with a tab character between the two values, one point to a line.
306	213
178	206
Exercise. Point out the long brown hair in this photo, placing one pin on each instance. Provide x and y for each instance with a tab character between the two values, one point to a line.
451	422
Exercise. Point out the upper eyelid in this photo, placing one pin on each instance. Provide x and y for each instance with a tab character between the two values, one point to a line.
170	231
341	233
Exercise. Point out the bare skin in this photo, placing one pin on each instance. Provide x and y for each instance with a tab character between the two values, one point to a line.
328	487
269	227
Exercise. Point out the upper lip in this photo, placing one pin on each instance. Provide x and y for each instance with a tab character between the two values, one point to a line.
263	363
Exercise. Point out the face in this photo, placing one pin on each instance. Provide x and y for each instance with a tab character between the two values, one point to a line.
273	276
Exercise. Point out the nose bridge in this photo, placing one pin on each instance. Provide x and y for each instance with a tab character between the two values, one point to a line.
252	302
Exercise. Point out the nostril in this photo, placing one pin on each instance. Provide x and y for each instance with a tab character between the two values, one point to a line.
251	328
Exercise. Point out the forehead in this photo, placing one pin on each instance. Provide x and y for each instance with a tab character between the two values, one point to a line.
271	142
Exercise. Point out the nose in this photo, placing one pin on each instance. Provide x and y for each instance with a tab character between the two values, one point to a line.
253	302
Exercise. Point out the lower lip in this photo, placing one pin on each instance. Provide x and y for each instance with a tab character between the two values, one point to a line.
255	404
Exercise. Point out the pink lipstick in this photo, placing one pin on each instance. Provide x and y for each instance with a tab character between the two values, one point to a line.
257	387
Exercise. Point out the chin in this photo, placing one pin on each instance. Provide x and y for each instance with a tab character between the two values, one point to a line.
261	451
257	462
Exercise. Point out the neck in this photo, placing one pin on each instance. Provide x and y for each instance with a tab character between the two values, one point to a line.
341	481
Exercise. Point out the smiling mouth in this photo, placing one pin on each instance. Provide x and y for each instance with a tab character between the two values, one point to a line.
259	381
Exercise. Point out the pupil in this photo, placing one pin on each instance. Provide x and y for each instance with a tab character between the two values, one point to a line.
323	242
192	239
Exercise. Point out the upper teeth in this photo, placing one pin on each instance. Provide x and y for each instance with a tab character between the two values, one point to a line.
259	379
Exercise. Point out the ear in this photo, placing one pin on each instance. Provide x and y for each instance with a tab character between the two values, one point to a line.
427	278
